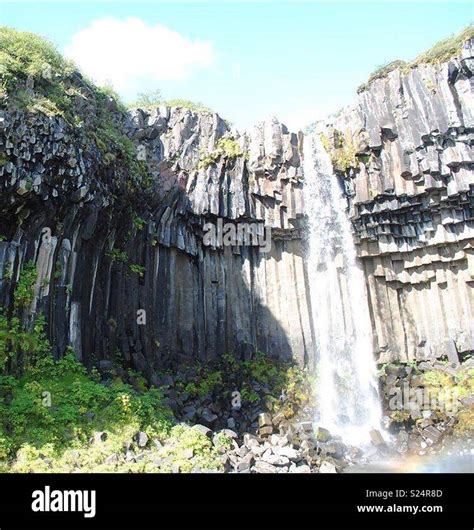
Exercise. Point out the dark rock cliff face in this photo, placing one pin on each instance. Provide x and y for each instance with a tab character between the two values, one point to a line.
103	257
407	150
108	246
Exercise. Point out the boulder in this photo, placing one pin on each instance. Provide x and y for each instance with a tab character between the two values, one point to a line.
376	438
203	429
322	434
264	467
264	420
141	439
327	467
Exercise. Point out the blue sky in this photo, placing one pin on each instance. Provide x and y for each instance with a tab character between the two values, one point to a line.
247	60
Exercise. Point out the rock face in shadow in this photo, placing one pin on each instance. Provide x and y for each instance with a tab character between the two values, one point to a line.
106	248
404	153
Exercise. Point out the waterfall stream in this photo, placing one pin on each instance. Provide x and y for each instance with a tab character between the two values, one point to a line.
347	403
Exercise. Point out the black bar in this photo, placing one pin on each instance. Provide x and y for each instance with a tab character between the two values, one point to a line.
242	501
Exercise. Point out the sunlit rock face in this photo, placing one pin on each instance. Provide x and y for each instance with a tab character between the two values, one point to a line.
406	161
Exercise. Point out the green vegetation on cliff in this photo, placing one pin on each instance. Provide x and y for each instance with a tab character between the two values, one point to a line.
22	341
441	52
341	150
227	148
34	77
151	100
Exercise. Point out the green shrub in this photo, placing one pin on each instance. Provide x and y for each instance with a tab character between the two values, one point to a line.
445	49
117	255
341	150
182	439
18	337
58	403
208	380
139	270
151	100
226	148
381	72
138	222
23	55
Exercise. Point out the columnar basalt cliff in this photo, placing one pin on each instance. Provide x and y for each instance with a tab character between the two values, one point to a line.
405	154
99	262
115	231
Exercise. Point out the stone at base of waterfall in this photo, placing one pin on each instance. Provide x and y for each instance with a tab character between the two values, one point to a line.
98	437
286	451
265	431
322	434
376	438
208	417
244	465
264	419
299	469
334	449
275	460
141	439
431	435
111	459
327	467
264	467
228	433
251	441
203	429
306	426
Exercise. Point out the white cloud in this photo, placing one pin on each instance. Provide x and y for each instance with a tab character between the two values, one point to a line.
127	52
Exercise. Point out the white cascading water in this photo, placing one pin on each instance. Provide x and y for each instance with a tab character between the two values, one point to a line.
347	403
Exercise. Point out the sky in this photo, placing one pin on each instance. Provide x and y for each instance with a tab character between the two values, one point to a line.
298	60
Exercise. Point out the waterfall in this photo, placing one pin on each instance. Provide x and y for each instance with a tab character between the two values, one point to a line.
347	400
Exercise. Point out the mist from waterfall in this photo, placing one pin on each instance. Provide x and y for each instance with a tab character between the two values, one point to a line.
347	403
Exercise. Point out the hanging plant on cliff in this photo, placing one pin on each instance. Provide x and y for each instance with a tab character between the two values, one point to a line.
21	340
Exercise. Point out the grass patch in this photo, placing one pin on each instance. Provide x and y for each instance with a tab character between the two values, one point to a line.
37	79
227	148
442	51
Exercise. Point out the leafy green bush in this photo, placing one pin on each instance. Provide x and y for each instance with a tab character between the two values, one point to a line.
342	151
25	55
60	404
381	72
207	382
18	337
117	255
184	440
445	49
139	270
35	77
